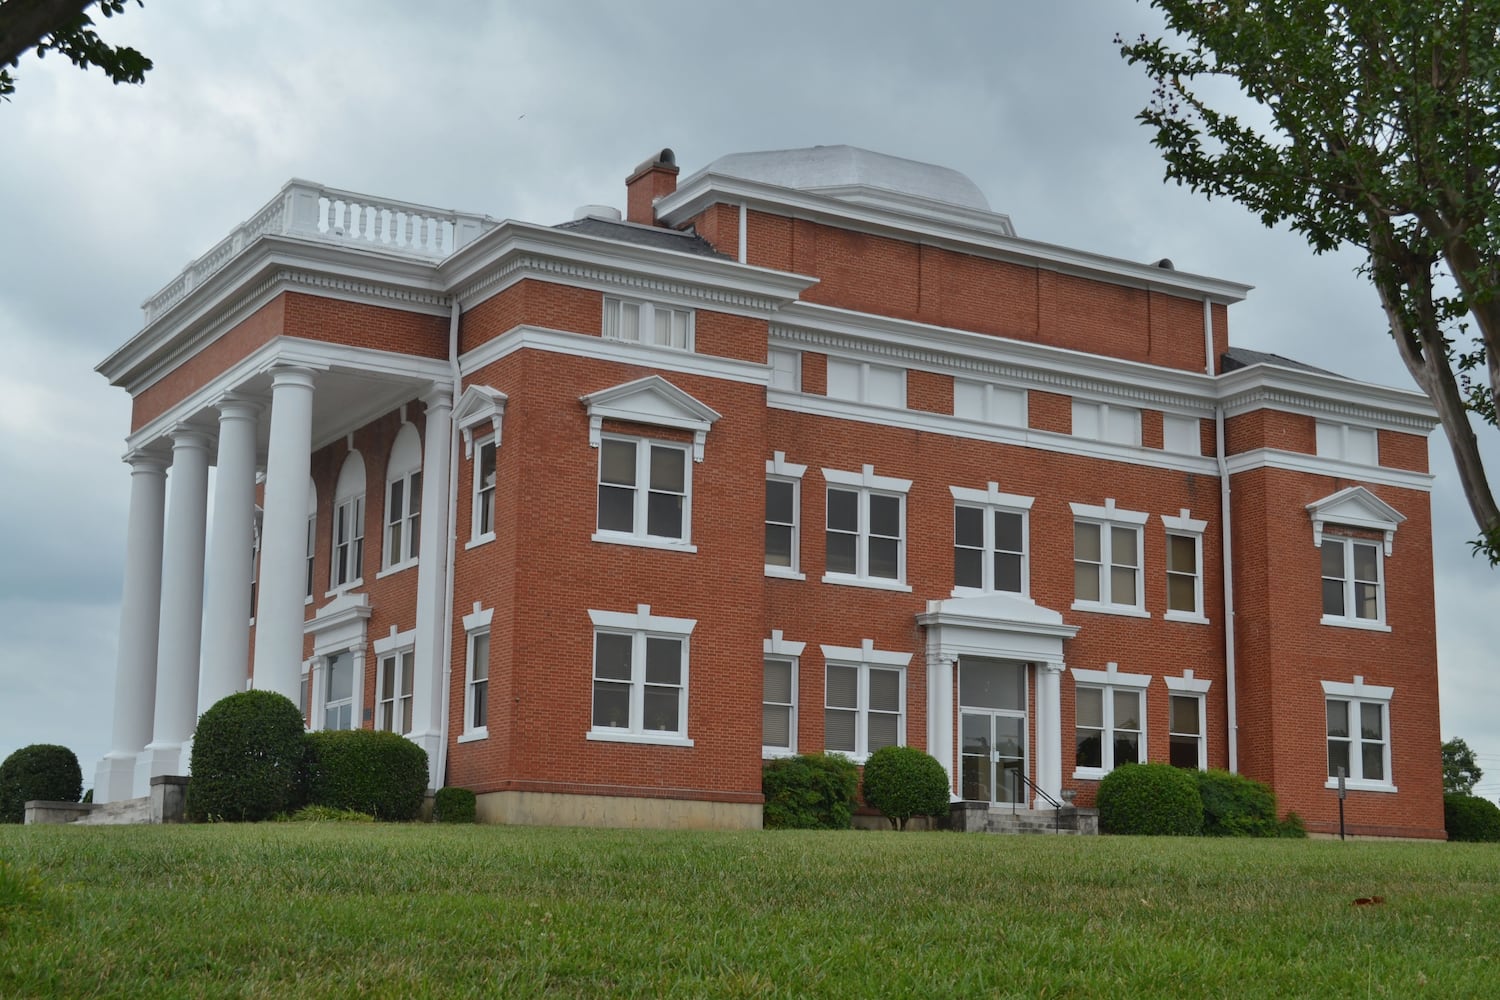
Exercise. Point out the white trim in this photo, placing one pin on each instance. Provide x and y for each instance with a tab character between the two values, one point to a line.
1185	526
480	403
779	470
1089	512
1296	461
641	491
611	736
991	496
1099	608
991	501
1368	625
775	648
867	479
870	582
652	401
639	541
1110	676
1106	518
642	620
779	647
645	314
479	619
778	466
865	652
1359	690
1186	684
583	345
1355	507
395	641
640	627
1354	696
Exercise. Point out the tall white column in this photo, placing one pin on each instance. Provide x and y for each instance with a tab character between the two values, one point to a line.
940	715
140	610
181	609
283	550
432	582
1049	731
226	599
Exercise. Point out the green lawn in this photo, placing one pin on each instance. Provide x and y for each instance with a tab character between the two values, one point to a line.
404	910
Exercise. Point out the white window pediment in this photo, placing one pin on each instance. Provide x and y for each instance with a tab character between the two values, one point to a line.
651	400
1356	507
479	404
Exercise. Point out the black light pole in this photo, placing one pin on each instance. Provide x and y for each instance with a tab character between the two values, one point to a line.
1341	803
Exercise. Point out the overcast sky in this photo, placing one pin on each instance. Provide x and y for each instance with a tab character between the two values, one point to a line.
526	111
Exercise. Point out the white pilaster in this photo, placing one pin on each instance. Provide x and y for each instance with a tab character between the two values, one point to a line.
433	635
1049	731
940	716
140	611
226	599
181	609
283	550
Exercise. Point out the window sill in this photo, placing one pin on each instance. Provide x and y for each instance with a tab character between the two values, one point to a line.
642	541
393	570
784	573
1089	773
488	536
1361	785
307	599
344	588
1125	611
981	592
1362	624
653	739
474	734
873	583
776	753
1185	616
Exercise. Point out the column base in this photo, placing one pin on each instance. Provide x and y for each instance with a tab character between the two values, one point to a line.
431	742
156	760
114	778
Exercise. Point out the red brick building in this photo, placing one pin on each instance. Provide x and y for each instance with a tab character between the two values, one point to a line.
809	451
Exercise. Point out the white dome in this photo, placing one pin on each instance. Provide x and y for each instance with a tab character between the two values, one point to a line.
831	169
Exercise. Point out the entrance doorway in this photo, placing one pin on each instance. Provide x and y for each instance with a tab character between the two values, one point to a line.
992	720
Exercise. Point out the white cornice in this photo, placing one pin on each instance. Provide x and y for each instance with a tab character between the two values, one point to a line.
620	352
1294	461
978	236
1319	395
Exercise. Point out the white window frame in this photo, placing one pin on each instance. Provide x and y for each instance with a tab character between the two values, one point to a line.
779	470
1332	441
1184	525
613	326
355	690
861	372
640	626
1356	695
1091	421
781	650
399	647
991	502
312	539
482	495
348	556
786	369
865	657
1106	518
1188	686
864	484
403	468
995	404
638	535
476	624
1181	434
1349	619
1106	681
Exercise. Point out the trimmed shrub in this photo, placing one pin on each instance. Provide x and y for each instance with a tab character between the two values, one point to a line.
1236	806
379	773
1470	818
40	771
1151	800
453	805
328	814
1292	827
903	782
247	759
812	791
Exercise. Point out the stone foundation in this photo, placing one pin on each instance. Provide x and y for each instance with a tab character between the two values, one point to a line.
553	809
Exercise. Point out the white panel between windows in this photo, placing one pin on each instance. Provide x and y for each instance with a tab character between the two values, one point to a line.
1180	435
843	379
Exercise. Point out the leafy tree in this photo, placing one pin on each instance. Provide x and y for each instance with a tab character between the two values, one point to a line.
1461	772
64	26
1378	127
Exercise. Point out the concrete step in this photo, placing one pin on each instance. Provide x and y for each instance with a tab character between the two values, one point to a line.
981	817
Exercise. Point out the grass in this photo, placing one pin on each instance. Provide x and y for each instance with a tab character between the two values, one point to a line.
331	909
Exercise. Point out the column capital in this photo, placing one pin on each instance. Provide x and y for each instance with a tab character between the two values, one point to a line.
439	397
188	436
146	463
289	374
1053	666
236	406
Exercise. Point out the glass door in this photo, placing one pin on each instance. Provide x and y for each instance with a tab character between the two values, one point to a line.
992	721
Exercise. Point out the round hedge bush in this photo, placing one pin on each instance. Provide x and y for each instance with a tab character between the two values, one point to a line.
903	782
1151	800
1470	818
379	773
453	805
811	791
43	771
1236	806
247	759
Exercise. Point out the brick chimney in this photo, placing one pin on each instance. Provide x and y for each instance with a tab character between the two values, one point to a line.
656	178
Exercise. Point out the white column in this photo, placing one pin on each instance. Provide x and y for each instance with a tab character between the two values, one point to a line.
940	715
432	582
140	610
1049	731
283	548
181	609
226	599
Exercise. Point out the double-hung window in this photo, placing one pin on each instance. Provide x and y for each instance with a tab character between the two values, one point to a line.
989	541
338	691
477	674
1184	567
1187	721
866	529
1352	580
349	524
644	491
640	677
648	323
1109	720
783	517
1107	556
864	699
393	695
403	500
779	696
484	490
1359	743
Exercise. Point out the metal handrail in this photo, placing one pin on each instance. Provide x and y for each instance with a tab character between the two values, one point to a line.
1056	805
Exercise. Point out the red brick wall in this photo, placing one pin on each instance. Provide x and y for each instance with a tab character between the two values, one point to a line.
929	391
535	303
1049	411
1270	429
1403	451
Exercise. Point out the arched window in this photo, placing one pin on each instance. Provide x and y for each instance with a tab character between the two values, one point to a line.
312	532
403	499
349	524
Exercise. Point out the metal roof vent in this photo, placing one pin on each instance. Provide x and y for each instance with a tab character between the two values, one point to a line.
606	212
